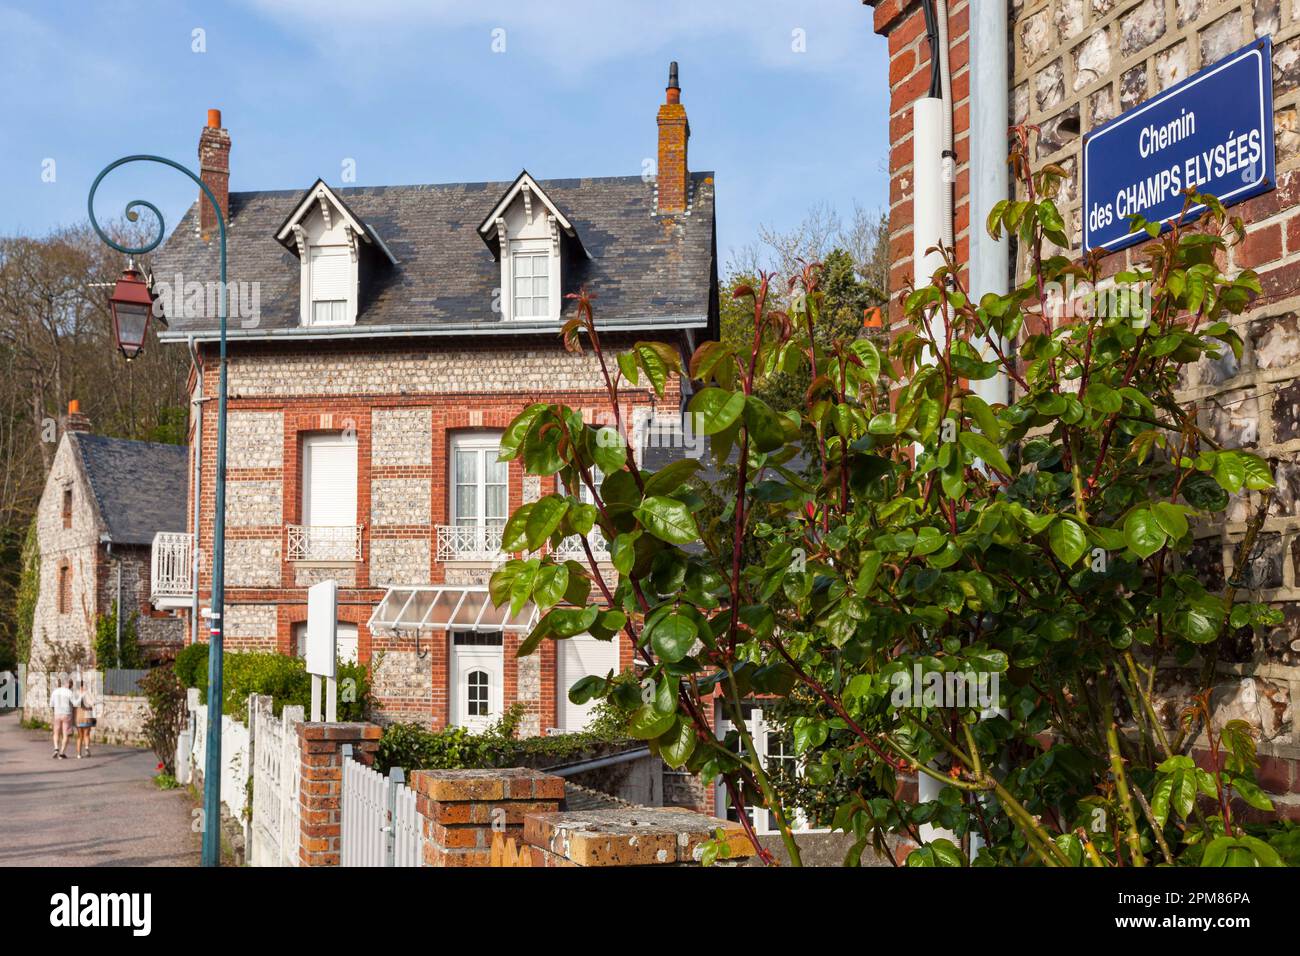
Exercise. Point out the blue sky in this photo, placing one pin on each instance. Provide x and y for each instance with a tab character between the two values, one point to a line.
413	92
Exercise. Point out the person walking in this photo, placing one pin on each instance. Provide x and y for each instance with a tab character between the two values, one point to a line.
85	719
62	702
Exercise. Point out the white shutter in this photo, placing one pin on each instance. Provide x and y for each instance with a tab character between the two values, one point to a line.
331	272
346	641
329	481
579	657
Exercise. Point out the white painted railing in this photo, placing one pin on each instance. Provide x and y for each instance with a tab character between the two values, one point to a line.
171	565
379	822
571	547
324	542
469	542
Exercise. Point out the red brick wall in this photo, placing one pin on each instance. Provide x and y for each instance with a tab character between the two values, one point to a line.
903	23
303	416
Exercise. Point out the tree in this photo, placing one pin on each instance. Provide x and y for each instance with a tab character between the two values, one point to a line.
56	344
954	583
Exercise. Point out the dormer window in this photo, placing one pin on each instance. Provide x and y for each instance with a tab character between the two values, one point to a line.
531	266
529	236
331	243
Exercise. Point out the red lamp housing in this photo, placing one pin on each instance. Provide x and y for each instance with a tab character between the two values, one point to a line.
131	304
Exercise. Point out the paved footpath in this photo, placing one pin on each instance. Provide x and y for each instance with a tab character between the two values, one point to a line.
102	810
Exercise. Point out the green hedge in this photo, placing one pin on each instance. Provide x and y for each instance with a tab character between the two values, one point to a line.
412	747
283	678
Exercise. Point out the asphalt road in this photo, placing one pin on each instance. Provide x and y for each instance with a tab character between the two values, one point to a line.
102	810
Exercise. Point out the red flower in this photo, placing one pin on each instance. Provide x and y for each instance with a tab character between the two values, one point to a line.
160	766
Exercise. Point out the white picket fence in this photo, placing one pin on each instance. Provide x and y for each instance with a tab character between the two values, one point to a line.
274	829
380	825
265	751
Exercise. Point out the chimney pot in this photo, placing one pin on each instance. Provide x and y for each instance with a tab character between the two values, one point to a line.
214	119
74	421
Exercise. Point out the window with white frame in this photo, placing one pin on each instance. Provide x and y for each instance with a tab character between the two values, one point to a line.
479	483
331	275
531	274
777	745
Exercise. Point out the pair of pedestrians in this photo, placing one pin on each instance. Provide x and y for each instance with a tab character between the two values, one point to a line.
72	710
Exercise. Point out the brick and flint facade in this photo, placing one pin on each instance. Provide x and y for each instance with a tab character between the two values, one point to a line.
1075	64
447	328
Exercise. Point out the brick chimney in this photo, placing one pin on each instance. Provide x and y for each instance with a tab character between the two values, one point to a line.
75	421
214	170
674	131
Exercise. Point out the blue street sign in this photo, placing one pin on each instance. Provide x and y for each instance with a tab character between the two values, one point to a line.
1212	132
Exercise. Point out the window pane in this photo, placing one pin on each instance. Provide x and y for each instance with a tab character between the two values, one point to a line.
523	285
541	266
539	287
466	465
497	471
496	501
466	504
523	307
523	265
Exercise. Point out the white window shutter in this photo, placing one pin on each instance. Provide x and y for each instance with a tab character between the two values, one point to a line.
580	657
331	273
329	479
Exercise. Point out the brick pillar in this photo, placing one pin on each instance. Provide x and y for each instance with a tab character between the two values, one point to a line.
462	809
321	784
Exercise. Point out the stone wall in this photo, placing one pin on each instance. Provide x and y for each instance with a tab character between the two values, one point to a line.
59	636
1082	62
1078	63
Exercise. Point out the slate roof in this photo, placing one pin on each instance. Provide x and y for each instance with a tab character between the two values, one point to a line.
644	269
140	487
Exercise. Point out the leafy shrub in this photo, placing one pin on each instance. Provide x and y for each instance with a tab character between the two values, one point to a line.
412	747
167	714
189	662
284	679
106	648
895	527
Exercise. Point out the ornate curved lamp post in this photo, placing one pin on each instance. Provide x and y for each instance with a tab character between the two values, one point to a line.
212	761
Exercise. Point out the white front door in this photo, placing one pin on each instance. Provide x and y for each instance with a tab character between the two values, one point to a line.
477	678
579	657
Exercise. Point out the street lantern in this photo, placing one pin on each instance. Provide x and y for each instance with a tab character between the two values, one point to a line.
131	305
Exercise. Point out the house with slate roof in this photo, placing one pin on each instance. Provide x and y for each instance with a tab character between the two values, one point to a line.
106	501
381	339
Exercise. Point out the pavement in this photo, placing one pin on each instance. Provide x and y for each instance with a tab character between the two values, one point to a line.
102	810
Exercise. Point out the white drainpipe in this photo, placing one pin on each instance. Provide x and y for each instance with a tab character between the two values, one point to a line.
197	406
932	225
989	177
990	265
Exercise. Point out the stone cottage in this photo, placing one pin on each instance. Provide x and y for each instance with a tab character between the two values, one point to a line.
381	339
105	502
1066	67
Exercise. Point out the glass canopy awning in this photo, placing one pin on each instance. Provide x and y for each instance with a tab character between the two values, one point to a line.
447	607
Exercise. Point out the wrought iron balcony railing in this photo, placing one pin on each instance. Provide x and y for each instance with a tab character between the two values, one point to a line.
324	542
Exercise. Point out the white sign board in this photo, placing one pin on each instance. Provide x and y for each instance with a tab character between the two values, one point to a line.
322	627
